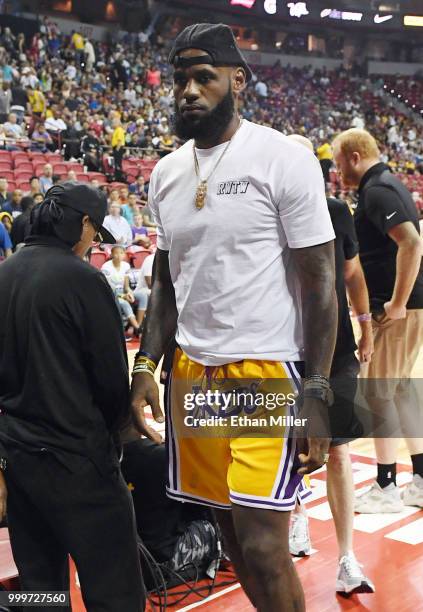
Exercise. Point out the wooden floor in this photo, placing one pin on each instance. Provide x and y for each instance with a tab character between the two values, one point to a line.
389	546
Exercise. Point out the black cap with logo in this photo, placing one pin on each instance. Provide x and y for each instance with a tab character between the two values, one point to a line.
217	39
86	199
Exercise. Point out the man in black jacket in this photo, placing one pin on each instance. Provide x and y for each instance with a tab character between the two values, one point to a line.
63	395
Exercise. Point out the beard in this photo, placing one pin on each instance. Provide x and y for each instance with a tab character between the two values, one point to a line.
210	126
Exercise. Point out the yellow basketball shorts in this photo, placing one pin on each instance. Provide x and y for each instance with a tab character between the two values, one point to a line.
224	451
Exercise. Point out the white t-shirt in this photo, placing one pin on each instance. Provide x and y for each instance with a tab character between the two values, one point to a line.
145	270
236	290
119	228
115	276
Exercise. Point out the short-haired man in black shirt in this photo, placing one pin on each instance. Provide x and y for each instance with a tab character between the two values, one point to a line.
344	423
64	391
388	232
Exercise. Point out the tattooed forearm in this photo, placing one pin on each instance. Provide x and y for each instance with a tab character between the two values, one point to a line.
316	271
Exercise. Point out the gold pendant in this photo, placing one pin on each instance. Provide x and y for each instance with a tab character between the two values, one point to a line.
200	197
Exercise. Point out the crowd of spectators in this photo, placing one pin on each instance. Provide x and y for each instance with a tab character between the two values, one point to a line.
104	103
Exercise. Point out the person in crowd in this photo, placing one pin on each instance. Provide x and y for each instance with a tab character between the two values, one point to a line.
117	225
123	195
118	146
14	205
90	149
46	179
13	129
5	195
5	247
139	189
116	270
131	208
22	225
41	139
143	288
34	186
7	220
140	236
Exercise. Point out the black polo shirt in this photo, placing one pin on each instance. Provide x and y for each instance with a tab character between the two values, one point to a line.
346	247
64	384
383	203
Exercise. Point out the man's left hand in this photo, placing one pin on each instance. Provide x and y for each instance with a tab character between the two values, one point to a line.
366	346
395	312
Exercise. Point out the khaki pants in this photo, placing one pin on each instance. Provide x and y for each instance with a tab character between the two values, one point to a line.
397	345
386	381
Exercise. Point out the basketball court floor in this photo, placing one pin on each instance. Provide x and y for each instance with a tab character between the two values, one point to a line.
389	545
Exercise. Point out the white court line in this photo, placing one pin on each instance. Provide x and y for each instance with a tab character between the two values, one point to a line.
197	604
409	534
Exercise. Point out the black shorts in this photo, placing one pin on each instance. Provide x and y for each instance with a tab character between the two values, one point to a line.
344	423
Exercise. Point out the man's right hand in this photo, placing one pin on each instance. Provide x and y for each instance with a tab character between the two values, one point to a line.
145	392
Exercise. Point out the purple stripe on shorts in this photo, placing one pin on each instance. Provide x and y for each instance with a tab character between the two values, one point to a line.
171	437
196	500
294	377
265	502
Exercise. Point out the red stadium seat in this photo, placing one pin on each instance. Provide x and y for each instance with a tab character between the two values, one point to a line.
24	185
153	237
36	155
74	166
23	164
139	257
5	165
98	258
16	154
23	175
99	176
53	158
5	155
60	168
9	175
11	185
82	177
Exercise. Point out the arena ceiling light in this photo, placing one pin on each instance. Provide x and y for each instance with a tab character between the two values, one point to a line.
270	7
298	9
246	3
413	20
341	15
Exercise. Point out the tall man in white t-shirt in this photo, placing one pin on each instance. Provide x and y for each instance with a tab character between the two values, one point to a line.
244	276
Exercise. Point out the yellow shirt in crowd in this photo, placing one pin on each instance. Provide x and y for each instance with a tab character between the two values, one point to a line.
37	102
77	41
324	152
118	137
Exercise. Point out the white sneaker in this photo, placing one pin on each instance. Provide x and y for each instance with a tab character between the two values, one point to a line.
350	578
413	492
379	500
299	536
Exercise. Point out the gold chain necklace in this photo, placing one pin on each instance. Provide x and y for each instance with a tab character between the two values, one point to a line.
201	193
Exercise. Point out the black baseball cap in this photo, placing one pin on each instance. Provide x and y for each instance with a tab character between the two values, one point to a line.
86	199
217	39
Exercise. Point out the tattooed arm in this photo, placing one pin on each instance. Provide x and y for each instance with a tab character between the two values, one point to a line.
316	270
159	329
